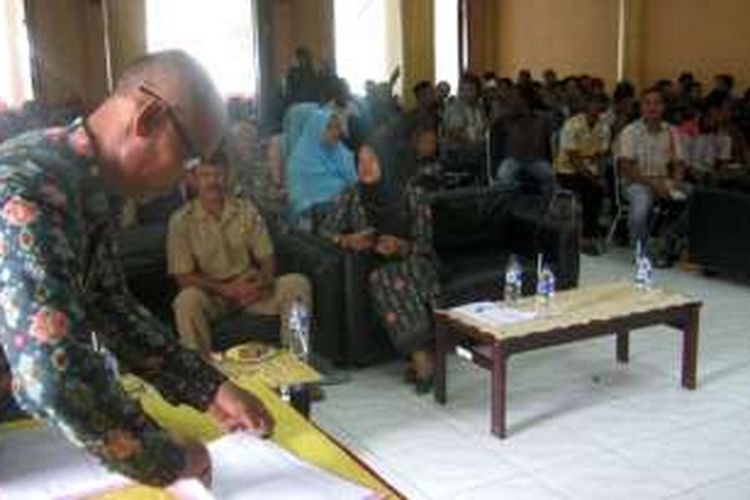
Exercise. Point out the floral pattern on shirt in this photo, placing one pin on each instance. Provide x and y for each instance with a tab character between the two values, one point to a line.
61	281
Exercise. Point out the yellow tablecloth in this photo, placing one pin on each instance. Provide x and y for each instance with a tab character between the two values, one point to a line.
280	369
293	432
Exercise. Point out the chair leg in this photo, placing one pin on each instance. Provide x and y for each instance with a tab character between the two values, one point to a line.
613	228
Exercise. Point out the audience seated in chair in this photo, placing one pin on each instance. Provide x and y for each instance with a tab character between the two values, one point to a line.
443	96
623	111
527	132
426	113
584	144
220	253
339	100
303	82
395	227
320	167
243	146
708	145
652	161
427	171
464	128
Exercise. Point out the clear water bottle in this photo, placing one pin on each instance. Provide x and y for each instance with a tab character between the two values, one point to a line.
644	270
299	330
513	281
545	288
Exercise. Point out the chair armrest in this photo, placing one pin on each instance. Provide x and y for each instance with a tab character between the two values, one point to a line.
347	333
322	263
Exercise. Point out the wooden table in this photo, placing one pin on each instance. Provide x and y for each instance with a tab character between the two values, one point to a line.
584	313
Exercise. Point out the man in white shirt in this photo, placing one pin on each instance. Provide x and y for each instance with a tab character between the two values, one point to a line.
651	160
464	127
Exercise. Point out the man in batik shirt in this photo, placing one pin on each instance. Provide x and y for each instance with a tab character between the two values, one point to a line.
61	284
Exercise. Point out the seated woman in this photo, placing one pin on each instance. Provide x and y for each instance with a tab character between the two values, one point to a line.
319	168
395	226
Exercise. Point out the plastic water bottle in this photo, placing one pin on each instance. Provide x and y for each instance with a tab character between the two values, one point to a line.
513	281
299	330
644	270
545	288
299	345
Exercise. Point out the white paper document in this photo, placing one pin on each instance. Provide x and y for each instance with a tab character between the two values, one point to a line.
493	313
247	467
40	463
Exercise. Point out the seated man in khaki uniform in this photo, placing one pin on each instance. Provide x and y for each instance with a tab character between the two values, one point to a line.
221	255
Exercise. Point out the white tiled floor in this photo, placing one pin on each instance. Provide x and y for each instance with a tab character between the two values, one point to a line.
581	427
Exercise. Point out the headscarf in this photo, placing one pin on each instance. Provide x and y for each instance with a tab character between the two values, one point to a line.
316	171
386	205
294	124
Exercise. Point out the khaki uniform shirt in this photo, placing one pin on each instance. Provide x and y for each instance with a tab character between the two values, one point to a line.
221	248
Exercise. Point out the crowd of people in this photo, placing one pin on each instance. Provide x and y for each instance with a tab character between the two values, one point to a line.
539	136
359	171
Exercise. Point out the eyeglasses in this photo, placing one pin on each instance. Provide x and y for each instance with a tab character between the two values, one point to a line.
190	157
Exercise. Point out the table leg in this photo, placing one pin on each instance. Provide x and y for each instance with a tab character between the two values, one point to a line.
623	347
499	375
442	343
690	349
299	399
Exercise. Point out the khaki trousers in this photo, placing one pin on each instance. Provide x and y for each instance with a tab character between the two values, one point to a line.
195	310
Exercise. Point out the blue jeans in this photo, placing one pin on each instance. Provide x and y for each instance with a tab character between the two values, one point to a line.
641	199
513	174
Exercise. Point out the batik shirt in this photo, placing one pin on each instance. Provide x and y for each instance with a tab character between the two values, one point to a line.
60	280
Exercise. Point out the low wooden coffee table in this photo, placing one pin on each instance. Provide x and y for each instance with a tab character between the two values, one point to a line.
584	313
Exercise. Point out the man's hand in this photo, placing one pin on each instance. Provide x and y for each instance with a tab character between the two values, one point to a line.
252	290
197	461
389	246
245	290
236	409
359	242
661	188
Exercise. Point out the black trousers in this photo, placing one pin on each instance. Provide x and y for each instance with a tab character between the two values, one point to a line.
590	194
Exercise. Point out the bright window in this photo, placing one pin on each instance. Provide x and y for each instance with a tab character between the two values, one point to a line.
219	34
446	42
15	60
368	40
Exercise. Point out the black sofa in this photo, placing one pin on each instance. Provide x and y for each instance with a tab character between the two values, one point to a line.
475	232
719	231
